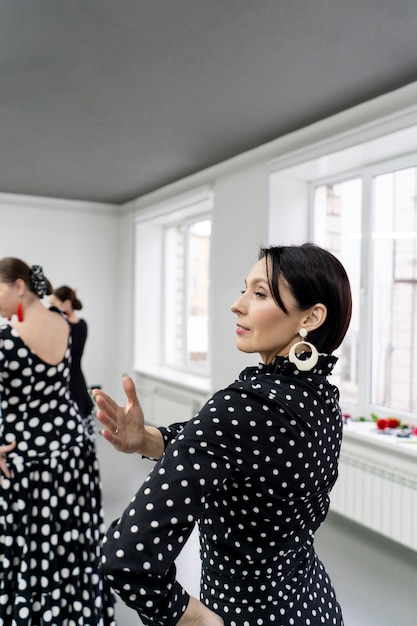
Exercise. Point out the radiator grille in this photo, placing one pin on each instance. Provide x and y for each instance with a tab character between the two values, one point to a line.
377	496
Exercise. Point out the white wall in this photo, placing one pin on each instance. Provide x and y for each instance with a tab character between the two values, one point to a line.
90	246
77	244
240	222
240	226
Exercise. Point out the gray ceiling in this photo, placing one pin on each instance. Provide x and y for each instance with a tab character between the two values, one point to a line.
106	100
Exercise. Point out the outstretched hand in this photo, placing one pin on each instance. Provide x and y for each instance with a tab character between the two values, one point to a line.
124	426
4	468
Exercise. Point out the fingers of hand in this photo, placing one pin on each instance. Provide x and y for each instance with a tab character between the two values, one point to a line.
109	419
107	413
105	402
130	390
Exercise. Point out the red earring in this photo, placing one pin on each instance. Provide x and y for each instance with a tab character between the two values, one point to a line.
19	311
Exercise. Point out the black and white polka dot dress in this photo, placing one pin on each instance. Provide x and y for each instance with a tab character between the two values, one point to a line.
51	521
254	469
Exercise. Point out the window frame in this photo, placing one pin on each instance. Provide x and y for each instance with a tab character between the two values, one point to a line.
204	370
150	224
365	152
367	175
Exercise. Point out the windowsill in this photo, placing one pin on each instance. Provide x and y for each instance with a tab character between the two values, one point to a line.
367	433
185	380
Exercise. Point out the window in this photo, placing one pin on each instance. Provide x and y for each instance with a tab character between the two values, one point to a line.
337	227
172	288
394	293
389	250
186	294
360	202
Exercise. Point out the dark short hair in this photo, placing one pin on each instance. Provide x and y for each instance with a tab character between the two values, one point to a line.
313	276
67	293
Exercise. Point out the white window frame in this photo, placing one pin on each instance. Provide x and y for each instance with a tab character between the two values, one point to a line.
150	225
204	369
367	150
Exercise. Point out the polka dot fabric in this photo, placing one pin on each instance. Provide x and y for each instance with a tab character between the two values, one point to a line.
254	469
51	522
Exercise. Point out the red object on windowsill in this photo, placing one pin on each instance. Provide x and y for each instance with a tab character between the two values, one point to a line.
389	422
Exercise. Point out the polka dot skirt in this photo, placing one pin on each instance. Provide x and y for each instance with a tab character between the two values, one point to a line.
254	469
51	521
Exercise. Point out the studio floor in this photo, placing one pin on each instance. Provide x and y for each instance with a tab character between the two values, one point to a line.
375	579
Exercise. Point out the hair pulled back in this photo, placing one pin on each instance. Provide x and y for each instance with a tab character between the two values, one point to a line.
66	293
313	276
11	269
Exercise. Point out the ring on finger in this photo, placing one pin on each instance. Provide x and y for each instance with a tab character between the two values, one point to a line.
116	430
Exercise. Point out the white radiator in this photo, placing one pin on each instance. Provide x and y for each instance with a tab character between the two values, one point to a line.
169	406
164	403
377	485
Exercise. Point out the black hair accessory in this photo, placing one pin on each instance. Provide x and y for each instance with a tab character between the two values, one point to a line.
38	280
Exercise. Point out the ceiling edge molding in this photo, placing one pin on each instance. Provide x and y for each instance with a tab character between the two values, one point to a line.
58	204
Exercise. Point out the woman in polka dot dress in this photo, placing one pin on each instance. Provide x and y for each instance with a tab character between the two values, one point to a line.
65	299
253	468
51	523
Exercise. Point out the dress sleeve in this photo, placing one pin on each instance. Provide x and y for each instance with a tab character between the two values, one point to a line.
141	547
170	432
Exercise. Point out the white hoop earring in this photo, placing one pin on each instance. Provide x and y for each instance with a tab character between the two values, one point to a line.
304	365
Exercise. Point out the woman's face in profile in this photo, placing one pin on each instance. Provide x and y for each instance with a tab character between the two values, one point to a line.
8	299
262	326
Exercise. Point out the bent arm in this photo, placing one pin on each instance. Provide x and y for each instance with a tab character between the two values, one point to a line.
141	546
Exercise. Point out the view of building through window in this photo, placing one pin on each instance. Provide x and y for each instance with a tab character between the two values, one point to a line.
186	294
337	227
378	247
394	280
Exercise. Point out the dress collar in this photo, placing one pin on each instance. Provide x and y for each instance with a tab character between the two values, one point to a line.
282	365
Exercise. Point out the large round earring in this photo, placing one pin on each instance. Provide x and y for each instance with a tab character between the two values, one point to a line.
304	365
